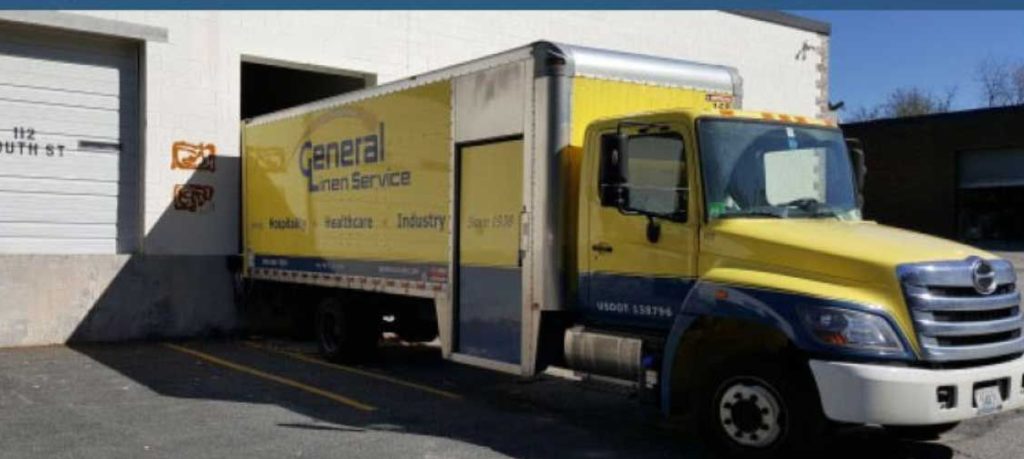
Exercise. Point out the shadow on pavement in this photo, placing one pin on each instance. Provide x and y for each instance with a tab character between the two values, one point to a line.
546	418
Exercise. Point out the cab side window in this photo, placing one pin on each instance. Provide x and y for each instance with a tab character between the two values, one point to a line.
648	176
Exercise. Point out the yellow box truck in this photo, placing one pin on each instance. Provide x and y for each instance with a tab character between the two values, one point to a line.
621	216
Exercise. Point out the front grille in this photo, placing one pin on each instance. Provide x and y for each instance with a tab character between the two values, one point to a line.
975	316
968	291
953	320
973	340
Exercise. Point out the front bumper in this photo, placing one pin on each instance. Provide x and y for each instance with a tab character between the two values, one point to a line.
879	394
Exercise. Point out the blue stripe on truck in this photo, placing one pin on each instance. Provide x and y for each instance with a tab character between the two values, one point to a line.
632	300
425	272
490	312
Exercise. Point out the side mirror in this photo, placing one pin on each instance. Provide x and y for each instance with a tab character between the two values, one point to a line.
622	200
860	169
614	154
621	157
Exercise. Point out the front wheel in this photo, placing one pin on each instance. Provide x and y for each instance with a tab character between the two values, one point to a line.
921	433
758	409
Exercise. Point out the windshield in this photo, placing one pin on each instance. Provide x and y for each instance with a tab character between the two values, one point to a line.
771	170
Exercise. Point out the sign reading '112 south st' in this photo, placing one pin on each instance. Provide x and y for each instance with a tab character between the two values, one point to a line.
23	142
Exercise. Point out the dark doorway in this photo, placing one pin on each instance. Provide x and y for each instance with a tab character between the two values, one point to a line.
268	87
992	218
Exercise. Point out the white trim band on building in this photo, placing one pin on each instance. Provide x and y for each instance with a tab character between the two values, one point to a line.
88	24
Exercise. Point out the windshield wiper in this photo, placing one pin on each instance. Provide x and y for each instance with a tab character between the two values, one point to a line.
825	212
809	207
756	212
812	207
807	204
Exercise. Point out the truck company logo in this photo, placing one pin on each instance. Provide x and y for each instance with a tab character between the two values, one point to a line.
287	223
194	156
350	151
424	221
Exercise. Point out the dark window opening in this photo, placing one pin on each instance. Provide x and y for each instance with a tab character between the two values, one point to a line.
992	218
269	88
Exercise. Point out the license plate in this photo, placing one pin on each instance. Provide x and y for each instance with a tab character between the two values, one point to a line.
988	399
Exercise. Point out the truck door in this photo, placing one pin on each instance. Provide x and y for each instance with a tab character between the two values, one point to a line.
489	262
641	225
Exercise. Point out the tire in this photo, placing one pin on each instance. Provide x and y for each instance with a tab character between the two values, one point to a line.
921	433
760	408
344	335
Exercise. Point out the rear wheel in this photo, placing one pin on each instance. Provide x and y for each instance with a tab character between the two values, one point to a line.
758	408
930	432
344	334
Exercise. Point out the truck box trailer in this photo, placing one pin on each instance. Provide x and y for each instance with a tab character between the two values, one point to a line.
622	216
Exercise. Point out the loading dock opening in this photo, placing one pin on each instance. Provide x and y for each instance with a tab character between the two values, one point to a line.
989	198
268	85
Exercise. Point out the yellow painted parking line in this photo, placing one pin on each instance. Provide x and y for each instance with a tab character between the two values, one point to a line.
270	377
368	374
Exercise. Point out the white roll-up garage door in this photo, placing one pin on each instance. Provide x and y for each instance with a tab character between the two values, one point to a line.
68	142
991	168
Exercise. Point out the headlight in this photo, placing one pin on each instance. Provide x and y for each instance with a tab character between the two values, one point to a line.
851	329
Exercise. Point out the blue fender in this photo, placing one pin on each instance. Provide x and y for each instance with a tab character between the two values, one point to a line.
675	336
774	309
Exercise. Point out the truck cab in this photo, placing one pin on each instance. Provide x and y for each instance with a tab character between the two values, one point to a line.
729	250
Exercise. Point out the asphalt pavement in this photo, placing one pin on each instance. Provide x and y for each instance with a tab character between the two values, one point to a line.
278	399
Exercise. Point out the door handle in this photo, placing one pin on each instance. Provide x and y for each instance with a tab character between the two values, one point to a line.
603	247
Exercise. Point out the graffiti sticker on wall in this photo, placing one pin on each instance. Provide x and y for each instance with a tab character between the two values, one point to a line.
193	198
194	156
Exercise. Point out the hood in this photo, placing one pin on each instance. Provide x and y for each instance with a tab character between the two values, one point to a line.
854	250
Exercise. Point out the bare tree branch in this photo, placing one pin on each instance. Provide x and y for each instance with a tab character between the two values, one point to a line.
1017	82
1002	82
909	101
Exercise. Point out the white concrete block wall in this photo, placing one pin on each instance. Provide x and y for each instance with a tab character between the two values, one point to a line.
192	80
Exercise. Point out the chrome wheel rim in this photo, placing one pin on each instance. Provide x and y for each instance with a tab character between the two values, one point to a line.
749	412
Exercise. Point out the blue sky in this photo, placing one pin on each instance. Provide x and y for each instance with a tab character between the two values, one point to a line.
875	52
